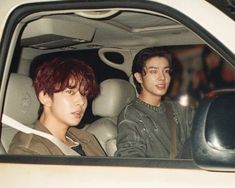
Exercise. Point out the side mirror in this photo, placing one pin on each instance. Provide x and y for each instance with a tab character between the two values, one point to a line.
213	133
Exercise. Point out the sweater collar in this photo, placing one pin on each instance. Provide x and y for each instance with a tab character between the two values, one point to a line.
160	108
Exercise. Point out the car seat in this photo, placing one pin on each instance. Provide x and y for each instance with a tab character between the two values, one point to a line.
20	104
114	95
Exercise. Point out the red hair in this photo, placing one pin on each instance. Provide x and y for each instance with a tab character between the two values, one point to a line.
56	75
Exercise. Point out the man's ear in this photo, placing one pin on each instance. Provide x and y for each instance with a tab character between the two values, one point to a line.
138	77
44	99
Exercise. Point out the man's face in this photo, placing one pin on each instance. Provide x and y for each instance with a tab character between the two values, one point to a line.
156	79
68	106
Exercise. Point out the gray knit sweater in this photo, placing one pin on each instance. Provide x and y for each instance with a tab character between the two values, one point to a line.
143	129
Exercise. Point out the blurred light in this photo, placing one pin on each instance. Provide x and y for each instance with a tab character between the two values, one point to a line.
184	100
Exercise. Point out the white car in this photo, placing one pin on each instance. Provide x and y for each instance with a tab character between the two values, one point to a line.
107	34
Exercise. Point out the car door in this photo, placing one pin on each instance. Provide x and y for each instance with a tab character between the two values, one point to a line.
63	171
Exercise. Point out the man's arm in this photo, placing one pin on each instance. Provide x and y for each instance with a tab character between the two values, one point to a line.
130	143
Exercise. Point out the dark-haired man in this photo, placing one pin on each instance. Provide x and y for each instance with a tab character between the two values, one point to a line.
149	126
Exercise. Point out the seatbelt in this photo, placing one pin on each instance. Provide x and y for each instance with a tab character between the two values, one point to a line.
172	128
19	126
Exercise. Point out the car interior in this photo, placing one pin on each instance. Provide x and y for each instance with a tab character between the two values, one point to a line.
107	39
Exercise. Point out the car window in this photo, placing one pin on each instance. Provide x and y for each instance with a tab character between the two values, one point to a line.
122	33
189	73
195	65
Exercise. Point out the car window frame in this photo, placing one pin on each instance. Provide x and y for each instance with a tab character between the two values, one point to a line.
24	10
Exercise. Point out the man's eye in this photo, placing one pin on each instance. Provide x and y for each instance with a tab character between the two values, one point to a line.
84	94
153	71
70	92
167	71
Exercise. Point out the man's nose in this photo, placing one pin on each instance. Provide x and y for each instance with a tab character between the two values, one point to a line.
161	75
80	100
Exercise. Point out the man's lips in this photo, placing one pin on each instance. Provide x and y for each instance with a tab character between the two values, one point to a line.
78	114
161	86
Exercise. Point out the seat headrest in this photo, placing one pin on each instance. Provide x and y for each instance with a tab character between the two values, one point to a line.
114	95
21	102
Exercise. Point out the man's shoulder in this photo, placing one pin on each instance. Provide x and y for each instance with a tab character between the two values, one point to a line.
175	105
21	138
130	108
131	112
23	143
79	134
181	111
171	102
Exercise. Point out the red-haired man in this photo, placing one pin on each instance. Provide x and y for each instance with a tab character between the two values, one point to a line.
63	87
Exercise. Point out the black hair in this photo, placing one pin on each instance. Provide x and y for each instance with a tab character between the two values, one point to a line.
145	54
